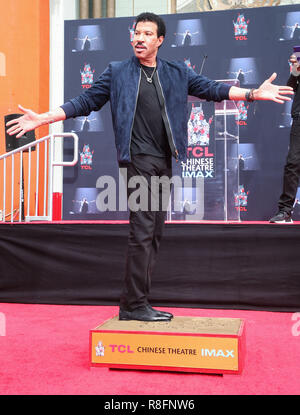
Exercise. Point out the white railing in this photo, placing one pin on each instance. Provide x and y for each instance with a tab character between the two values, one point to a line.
18	214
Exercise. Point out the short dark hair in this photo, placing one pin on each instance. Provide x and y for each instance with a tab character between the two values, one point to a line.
151	17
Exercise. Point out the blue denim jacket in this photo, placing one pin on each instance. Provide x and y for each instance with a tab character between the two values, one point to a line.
120	82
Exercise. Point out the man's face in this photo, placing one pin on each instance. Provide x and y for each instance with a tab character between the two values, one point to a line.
145	41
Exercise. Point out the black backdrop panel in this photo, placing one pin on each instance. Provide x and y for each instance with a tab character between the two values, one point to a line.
205	266
249	43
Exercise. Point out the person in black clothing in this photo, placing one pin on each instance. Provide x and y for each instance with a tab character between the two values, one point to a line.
296	32
150	157
154	135
187	40
292	167
187	37
86	42
84	207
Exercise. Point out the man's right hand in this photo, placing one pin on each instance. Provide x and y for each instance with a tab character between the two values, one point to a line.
29	121
295	65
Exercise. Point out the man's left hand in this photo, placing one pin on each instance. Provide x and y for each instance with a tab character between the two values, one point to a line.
269	91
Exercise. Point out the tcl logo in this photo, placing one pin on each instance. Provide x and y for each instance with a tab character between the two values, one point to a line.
120	348
199	152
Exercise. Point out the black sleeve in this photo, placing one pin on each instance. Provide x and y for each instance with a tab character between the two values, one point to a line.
293	82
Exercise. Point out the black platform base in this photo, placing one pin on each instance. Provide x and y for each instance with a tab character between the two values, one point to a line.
236	266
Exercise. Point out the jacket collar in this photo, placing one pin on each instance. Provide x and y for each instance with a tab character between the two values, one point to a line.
137	62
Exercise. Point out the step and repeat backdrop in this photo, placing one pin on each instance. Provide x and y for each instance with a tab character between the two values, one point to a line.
247	45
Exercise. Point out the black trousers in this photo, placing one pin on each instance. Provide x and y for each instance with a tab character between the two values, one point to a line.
145	228
291	170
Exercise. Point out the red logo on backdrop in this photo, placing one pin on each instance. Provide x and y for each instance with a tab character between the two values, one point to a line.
131	31
86	157
241	119
200	157
241	27
199	152
87	76
241	199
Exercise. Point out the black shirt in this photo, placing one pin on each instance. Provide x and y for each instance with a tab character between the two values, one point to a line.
149	134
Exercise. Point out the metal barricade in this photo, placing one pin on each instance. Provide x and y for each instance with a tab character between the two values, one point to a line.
22	212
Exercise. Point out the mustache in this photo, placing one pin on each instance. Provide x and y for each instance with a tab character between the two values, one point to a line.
139	44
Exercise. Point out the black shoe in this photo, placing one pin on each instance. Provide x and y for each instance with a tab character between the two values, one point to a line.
282	217
163	313
142	314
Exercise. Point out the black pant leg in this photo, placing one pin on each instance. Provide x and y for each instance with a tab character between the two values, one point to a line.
157	236
162	200
145	233
291	170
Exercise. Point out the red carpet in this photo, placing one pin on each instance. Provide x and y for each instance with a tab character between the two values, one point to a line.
45	352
